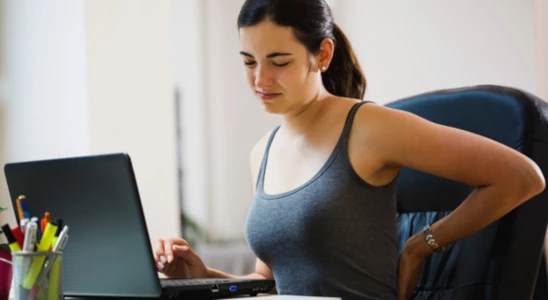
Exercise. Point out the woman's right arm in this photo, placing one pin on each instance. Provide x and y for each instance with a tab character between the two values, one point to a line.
176	258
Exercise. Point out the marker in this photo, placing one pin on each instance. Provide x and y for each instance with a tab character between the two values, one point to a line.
19	236
55	272
54	277
37	262
14	246
44	221
59	223
59	246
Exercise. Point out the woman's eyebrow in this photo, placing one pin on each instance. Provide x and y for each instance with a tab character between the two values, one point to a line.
271	55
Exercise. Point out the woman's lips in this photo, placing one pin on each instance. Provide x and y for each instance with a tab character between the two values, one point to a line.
268	96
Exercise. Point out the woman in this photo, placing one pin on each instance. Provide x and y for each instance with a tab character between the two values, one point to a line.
323	218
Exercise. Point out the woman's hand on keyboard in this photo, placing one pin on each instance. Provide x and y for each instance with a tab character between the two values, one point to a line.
176	259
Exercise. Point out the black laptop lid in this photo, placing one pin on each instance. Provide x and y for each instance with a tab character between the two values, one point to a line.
108	252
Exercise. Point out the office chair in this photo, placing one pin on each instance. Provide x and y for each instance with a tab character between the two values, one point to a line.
502	261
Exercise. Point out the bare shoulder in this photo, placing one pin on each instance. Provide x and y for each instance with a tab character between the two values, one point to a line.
375	124
258	149
367	143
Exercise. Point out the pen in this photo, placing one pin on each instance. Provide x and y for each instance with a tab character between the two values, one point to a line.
24	208
62	240
28	245
19	210
23	224
37	262
38	231
30	237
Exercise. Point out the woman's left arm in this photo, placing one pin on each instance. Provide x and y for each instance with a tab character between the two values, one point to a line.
504	179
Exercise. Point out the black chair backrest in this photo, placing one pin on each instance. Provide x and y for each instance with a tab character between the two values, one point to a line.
502	260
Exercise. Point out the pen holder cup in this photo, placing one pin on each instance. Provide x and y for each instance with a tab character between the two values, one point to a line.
37	275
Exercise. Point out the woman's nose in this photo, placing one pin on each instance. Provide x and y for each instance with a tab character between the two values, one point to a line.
263	78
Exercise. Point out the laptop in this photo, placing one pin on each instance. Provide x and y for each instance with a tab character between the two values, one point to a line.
108	253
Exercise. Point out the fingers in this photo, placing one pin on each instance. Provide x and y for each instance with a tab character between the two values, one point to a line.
168	250
168	247
159	254
187	253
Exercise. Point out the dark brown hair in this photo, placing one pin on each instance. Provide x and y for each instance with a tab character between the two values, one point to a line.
312	21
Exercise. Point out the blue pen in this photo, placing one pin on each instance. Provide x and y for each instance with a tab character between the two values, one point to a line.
24	208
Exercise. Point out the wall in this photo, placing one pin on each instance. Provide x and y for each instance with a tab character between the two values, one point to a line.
189	76
131	99
413	47
43	104
235	121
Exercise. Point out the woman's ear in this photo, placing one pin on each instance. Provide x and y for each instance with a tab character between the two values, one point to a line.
324	57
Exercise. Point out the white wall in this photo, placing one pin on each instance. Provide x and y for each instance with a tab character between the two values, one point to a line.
189	77
131	102
412	47
43	104
235	121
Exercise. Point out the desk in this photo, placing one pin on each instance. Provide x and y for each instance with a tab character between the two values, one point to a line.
265	297
287	297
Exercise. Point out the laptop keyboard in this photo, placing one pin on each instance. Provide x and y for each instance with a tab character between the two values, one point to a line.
190	282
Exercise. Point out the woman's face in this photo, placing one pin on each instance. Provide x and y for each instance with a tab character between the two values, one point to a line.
278	67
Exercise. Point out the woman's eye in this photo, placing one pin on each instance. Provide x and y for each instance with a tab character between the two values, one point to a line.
281	65
249	63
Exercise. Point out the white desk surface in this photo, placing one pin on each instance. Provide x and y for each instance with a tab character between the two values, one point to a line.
288	297
265	297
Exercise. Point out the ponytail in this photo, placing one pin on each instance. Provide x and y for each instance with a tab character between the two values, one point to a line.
345	76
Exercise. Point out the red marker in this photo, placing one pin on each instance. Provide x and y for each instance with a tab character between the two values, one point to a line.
18	235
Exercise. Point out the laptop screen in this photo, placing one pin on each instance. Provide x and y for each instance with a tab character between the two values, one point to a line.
108	252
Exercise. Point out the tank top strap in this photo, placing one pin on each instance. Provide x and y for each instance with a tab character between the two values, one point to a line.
258	184
349	120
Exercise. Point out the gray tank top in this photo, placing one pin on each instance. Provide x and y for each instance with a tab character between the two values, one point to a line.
335	235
